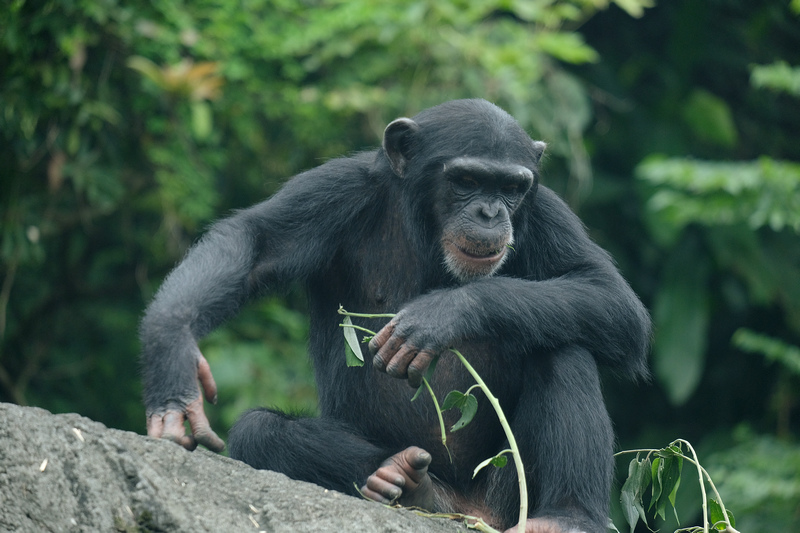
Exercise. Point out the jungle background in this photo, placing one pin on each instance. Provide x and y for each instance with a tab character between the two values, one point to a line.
126	128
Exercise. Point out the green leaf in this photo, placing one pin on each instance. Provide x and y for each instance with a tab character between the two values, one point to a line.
428	376
467	403
453	399
779	76
352	349
681	315
717	517
499	461
566	46
759	193
772	348
710	119
201	120
147	68
419	391
634	8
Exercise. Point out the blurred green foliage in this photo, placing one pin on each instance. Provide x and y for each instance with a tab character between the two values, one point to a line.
759	474
127	127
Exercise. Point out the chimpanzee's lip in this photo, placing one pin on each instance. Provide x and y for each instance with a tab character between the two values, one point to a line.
490	256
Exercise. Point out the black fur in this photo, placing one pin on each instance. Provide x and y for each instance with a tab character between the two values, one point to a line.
365	232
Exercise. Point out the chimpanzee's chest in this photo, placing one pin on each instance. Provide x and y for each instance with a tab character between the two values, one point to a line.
385	274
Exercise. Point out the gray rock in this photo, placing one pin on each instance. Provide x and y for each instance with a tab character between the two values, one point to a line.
68	473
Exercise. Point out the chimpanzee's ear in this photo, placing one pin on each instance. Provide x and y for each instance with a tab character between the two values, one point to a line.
397	143
538	149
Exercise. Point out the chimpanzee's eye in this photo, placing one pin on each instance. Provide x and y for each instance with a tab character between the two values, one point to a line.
466	182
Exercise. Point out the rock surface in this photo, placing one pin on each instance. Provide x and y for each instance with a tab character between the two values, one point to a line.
68	473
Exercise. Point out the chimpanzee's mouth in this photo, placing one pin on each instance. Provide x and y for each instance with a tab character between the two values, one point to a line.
481	256
471	260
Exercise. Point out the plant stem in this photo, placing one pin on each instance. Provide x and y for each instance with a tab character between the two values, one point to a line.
702	484
365	330
512	442
703	472
344	312
640	450
473	522
439	414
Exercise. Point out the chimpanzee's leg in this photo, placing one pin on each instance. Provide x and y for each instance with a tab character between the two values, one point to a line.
319	450
566	441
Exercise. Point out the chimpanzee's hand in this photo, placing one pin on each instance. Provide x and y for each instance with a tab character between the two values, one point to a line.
424	328
168	424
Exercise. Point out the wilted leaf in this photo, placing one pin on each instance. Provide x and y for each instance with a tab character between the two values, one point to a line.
669	477
655	477
632	491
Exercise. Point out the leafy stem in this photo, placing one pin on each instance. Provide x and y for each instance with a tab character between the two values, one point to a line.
512	442
466	402
720	514
360	361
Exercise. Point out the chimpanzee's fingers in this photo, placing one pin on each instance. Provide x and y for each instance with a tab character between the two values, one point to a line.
387	352
382	490
397	367
418	367
201	429
381	337
155	426
206	379
375	496
174	430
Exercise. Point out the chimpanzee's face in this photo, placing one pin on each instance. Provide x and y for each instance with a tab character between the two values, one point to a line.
477	197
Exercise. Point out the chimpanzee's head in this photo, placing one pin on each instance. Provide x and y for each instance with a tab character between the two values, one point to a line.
478	164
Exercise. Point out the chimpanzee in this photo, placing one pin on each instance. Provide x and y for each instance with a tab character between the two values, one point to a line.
447	225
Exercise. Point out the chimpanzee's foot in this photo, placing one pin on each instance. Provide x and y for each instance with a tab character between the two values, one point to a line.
546	525
402	478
